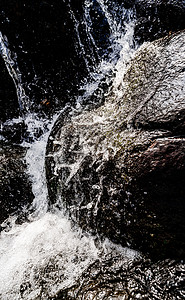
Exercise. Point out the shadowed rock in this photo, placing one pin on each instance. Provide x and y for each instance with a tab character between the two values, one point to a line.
54	50
136	280
16	194
156	18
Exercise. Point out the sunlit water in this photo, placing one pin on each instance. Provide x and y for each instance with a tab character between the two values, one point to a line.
48	253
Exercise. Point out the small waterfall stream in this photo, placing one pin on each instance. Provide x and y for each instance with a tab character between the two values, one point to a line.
47	254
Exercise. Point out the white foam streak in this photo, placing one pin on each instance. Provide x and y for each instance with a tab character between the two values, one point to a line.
14	72
126	54
35	159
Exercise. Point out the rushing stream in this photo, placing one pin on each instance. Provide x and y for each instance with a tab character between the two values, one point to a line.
48	253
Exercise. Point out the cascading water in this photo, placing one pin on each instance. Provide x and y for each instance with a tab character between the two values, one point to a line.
40	258
45	256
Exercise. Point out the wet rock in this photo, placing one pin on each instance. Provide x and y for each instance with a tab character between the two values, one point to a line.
140	279
159	174
119	169
127	3
158	18
36	34
14	131
16	194
110	278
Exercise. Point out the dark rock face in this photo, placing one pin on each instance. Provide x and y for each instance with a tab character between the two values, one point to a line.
159	174
158	18
14	183
119	170
9	107
14	132
37	35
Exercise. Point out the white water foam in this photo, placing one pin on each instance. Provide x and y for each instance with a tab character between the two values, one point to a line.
122	51
32	246
35	159
49	253
123	43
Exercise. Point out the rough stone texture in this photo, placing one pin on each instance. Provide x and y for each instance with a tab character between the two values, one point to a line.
158	75
113	279
138	280
15	186
119	169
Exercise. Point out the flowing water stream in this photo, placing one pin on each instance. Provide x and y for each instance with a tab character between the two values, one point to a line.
48	253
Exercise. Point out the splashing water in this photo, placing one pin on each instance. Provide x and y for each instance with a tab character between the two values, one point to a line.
40	245
112	66
40	258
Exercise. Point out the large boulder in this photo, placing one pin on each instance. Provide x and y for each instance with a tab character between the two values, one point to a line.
137	280
16	192
120	169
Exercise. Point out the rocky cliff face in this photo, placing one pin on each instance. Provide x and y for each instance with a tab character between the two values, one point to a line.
119	169
137	280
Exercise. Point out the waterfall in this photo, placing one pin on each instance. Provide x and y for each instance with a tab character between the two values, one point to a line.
48	253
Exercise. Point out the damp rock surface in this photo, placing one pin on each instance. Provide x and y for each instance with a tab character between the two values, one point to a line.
119	169
140	279
47	40
158	18
111	279
16	194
